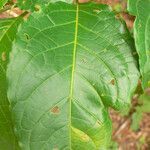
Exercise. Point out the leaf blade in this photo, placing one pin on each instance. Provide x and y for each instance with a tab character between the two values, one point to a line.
2	3
8	28
142	36
71	109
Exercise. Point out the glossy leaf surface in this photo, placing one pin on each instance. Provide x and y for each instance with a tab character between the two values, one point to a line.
8	29
140	9
69	64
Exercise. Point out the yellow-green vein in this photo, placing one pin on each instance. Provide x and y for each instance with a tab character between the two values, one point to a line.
73	66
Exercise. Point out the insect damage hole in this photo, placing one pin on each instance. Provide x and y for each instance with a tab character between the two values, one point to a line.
55	110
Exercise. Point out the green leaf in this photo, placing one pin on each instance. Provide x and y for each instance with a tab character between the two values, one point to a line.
2	3
144	100
8	28
35	5
113	146
140	8
136	119
143	107
132	7
69	64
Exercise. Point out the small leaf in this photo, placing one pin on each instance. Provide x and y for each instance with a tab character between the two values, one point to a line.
136	119
60	77
145	102
140	8
8	28
144	107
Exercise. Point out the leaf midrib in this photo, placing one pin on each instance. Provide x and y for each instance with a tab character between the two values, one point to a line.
73	66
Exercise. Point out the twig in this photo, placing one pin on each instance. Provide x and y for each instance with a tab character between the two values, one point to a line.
122	127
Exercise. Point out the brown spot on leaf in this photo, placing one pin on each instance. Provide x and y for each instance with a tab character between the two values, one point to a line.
117	16
55	110
112	81
3	56
26	16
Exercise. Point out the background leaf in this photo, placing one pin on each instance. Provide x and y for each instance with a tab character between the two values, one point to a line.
8	29
140	8
34	5
2	3
143	107
70	63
